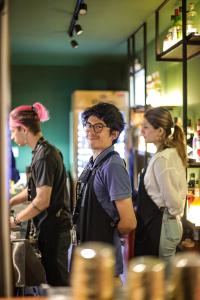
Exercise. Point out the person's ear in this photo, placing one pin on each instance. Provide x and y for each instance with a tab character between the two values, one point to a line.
24	130
115	134
161	132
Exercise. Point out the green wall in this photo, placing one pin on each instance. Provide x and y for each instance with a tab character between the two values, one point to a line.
53	86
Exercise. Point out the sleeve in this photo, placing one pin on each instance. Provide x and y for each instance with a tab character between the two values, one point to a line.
45	170
167	178
117	181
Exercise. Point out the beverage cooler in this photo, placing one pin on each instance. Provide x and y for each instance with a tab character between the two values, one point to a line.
80	152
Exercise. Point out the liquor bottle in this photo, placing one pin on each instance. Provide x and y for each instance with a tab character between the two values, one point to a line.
191	189
173	30
185	270
191	182
145	279
178	23
191	19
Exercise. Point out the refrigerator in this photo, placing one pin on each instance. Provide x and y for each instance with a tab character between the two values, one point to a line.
81	99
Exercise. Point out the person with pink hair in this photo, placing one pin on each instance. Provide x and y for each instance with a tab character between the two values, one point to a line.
46	190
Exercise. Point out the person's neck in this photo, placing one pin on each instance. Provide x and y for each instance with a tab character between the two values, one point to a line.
34	139
97	152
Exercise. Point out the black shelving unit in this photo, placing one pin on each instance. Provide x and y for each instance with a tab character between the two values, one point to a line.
175	53
193	165
185	49
140	158
132	55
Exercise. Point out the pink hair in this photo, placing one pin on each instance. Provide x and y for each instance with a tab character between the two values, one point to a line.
39	108
42	112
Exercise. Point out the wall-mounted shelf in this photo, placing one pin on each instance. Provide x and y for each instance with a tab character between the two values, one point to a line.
184	49
193	164
175	53
188	47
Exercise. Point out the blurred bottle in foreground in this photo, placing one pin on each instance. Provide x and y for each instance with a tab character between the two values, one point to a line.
146	279
185	276
93	272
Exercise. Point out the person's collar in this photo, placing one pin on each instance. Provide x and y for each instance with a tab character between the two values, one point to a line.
103	154
39	141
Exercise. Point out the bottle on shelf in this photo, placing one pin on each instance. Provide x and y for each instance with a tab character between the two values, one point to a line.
178	22
191	189
176	26
191	19
191	182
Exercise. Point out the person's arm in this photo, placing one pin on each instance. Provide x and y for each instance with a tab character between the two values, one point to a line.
19	198
40	203
171	186
126	212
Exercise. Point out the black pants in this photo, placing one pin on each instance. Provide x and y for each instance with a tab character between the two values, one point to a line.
54	247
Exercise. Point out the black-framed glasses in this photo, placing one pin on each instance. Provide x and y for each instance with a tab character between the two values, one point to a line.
98	127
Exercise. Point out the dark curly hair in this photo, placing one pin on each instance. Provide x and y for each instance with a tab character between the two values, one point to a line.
108	113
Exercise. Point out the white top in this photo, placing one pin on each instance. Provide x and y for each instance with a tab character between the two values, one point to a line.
165	181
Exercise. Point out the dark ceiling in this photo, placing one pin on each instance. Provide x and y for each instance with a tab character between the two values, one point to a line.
39	29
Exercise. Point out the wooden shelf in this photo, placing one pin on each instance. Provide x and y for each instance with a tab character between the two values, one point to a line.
193	165
174	53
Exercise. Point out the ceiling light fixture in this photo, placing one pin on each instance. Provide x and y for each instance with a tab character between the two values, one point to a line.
83	9
78	29
80	8
74	44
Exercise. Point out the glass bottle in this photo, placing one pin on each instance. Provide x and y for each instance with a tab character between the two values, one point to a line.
191	19
191	182
191	189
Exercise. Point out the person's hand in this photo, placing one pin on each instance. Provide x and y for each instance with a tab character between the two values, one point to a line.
12	222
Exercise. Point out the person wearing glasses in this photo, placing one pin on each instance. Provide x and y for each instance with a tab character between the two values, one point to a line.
104	210
47	192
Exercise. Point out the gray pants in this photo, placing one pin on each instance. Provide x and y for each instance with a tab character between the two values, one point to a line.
171	235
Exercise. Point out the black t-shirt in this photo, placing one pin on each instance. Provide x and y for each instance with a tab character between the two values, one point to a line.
47	168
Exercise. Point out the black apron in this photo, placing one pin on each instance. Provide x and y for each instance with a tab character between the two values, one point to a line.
91	220
149	223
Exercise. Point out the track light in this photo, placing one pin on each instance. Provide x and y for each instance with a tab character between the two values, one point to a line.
83	9
80	9
78	29
74	44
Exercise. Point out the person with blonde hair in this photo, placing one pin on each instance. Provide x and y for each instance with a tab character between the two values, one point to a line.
47	192
162	188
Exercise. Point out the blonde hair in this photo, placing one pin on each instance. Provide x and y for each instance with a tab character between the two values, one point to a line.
161	117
